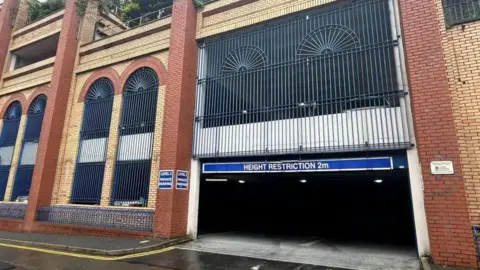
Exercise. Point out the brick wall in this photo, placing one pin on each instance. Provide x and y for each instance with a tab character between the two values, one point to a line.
50	138
118	73
461	46
5	30
227	15
37	31
172	205
445	198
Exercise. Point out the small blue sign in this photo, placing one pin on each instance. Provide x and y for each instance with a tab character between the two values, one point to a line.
327	165
182	180
165	180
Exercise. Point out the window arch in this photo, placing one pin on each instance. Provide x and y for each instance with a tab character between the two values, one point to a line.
24	174
11	122
134	156
92	153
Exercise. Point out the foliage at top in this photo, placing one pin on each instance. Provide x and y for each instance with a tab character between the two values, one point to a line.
38	10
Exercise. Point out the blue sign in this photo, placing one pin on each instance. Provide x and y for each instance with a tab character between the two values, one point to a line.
182	180
165	180
327	165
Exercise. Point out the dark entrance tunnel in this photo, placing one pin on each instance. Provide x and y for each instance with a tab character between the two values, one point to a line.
343	206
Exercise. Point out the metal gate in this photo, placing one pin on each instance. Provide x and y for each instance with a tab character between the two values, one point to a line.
90	167
24	174
328	80
11	123
135	146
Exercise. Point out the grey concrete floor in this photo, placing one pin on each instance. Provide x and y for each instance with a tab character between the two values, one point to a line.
309	250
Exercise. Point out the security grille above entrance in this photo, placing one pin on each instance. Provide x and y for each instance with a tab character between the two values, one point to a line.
328	80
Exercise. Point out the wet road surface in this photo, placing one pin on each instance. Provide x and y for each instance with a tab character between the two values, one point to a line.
19	259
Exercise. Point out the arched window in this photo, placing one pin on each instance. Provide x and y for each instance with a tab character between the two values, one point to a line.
11	122
134	156
92	153
23	177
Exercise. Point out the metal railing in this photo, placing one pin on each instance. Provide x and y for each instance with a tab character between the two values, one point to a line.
150	17
104	31
322	81
461	11
124	219
112	8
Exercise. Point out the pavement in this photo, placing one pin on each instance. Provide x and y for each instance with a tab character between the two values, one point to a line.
25	259
88	244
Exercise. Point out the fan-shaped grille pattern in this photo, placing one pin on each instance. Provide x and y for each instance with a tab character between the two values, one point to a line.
144	79
243	59
100	89
38	105
14	111
327	39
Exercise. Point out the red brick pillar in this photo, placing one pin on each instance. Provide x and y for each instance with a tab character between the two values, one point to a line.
6	13
51	135
176	150
446	205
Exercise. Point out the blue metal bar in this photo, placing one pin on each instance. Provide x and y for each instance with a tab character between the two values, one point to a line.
137	125
24	174
90	167
11	123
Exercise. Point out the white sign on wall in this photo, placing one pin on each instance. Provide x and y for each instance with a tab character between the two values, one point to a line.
442	167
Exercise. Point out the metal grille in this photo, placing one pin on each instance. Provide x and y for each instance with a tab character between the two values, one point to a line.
132	170
323	81
90	167
11	122
129	219
12	210
461	11
24	174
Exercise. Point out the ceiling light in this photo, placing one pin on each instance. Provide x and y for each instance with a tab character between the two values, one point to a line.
378	181
216	180
303	181
241	181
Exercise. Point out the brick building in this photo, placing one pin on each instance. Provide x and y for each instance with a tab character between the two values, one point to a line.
164	124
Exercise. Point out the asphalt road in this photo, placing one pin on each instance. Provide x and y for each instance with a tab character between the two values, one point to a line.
20	259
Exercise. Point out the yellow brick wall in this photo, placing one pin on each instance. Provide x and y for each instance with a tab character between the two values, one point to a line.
28	80
71	136
249	14
37	34
94	56
462	50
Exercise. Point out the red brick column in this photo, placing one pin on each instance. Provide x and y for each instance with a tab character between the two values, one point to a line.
172	205
446	205
50	137
5	30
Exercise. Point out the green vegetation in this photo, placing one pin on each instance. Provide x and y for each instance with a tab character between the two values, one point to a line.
131	9
38	10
